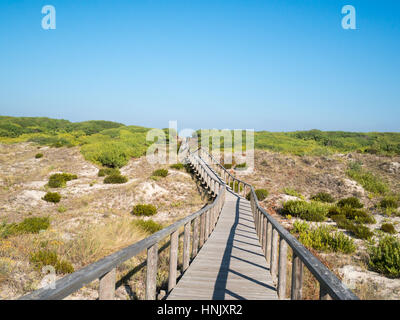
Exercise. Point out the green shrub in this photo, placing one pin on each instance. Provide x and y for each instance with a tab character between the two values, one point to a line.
385	257
352	202
115	179
149	226
323	239
59	180
388	228
300	227
108	171
113	155
260	193
354	227
310	211
228	166
357	215
323	197
160	173
38	155
43	258
61	209
369	181
52	197
389	202
177	166
28	225
236	188
293	192
144	210
360	231
33	225
241	165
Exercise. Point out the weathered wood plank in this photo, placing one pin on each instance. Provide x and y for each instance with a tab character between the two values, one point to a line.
151	273
297	278
282	268
173	260
107	285
186	247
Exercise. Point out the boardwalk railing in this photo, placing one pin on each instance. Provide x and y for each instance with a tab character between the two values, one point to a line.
274	240
197	229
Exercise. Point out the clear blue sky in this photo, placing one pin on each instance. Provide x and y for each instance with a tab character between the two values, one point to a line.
265	65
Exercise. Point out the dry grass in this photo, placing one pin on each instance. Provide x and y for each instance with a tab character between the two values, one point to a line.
95	218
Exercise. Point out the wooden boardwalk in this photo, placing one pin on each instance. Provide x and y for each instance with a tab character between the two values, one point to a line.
231	264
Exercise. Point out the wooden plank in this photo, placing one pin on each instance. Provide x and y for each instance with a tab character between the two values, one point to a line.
151	272
202	229
269	243
282	268
173	260
186	247
274	254
297	278
196	235
107	285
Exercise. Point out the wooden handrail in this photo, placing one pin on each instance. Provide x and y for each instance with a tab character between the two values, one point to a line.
270	233
105	269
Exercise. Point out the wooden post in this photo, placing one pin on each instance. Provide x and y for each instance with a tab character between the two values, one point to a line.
297	278
269	242
282	269
323	292
274	254
173	260
151	273
186	247
195	245
206	224
107	285
264	238
202	227
260	224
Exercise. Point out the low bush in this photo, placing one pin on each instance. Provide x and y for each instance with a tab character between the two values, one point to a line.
108	171
323	239
52	197
61	209
115	179
44	258
323	197
389	202
360	231
59	180
293	192
310	211
28	225
357	215
144	210
38	155
260	193
369	181
160	173
388	228
385	257
241	165
352	202
149	226
355	228
177	166
228	166
300	227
